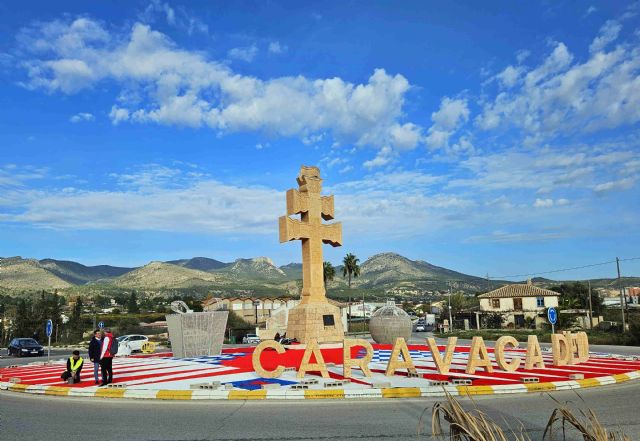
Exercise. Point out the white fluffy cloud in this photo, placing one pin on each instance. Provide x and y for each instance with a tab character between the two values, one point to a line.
246	54
562	96
276	48
178	87
446	120
608	34
82	116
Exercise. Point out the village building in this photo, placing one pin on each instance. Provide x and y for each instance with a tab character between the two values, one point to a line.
521	305
271	314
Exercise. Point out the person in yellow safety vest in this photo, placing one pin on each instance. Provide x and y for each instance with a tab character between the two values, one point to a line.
74	367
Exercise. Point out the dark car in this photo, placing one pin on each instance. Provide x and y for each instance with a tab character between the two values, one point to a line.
23	347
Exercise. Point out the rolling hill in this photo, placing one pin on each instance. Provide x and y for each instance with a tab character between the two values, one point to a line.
17	273
199	263
159	275
384	272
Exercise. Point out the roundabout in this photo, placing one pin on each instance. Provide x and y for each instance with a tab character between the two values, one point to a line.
232	375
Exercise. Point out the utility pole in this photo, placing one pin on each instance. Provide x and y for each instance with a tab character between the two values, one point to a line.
590	308
622	299
450	316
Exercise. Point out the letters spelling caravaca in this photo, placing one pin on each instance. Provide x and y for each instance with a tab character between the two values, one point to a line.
567	349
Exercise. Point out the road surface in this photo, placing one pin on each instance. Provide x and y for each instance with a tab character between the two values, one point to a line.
31	417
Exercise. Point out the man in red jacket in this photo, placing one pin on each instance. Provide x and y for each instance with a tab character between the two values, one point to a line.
106	357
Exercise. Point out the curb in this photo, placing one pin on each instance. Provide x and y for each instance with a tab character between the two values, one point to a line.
314	394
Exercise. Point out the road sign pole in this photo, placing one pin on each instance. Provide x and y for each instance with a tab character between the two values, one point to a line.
49	329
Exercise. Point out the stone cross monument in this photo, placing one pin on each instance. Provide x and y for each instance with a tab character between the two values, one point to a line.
314	317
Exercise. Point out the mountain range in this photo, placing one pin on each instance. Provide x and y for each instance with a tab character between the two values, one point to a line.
385	272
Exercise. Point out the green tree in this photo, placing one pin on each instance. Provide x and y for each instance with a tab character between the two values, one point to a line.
328	272
132	303
351	267
22	320
575	295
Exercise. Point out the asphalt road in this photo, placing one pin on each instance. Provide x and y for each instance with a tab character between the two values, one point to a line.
29	417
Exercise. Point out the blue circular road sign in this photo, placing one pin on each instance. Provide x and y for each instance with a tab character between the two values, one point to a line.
101	325
552	315
49	328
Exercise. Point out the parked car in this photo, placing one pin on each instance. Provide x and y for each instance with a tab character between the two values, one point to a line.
134	342
24	347
251	339
421	327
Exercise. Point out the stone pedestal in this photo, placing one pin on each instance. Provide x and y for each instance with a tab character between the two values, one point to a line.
319	320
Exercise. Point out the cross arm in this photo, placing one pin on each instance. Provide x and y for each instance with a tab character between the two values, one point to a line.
327	207
291	229
297	202
332	234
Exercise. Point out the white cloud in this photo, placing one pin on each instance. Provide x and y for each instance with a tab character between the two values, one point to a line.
620	184
590	10
246	54
509	76
82	116
543	203
563	97
168	85
276	48
608	34
178	18
446	120
384	157
118	115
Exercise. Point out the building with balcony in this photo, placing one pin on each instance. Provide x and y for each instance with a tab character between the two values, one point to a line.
521	305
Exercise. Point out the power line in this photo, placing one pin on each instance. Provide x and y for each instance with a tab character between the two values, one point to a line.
563	269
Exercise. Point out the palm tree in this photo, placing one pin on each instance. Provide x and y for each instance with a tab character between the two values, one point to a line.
350	268
329	272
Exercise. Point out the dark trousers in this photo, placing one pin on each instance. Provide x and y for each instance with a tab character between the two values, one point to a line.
107	369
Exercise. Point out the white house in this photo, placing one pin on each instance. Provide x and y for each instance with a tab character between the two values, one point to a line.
519	303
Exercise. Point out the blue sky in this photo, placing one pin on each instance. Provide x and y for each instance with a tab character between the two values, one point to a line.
500	138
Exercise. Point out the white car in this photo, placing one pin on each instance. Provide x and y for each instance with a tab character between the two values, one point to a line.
134	342
421	328
251	339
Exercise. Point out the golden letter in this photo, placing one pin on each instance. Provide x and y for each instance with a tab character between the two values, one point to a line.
363	362
534	354
400	347
442	366
499	353
306	366
257	365
561	351
478	356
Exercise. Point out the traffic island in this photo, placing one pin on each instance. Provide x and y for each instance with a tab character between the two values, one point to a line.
303	372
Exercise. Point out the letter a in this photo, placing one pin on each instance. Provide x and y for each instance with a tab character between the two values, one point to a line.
442	366
362	363
478	356
400	347
257	365
534	354
306	366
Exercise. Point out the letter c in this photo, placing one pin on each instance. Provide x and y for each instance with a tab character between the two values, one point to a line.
257	365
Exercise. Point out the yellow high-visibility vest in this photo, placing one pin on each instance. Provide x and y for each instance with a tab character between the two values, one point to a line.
78	363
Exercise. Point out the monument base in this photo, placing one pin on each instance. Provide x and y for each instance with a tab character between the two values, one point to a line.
321	321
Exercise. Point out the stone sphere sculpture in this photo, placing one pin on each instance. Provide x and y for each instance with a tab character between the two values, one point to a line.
389	323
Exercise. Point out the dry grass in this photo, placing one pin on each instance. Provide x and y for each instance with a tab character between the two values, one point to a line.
475	425
586	423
